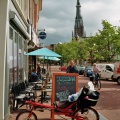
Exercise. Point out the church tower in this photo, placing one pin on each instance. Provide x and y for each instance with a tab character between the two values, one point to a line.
78	27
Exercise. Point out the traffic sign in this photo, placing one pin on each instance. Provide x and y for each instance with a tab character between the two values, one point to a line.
42	35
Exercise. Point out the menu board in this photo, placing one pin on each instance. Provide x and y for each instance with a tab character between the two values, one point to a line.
63	85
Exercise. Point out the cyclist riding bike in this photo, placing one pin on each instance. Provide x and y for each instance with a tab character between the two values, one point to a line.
95	71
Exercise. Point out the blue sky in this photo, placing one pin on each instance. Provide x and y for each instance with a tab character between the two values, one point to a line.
58	17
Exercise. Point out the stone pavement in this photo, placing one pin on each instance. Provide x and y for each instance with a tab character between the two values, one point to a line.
46	115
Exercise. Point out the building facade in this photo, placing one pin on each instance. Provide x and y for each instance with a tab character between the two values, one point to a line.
18	24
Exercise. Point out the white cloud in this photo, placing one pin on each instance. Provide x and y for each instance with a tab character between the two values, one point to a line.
50	30
58	17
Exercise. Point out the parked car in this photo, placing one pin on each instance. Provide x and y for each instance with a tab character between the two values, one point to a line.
116	72
106	70
88	71
63	68
81	69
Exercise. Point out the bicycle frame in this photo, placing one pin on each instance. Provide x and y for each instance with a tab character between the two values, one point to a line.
57	110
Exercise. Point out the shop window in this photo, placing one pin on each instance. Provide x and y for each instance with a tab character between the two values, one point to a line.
10	33
20	43
25	60
20	61
16	58
11	73
11	62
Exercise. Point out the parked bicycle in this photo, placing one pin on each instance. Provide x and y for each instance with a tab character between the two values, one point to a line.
96	81
80	109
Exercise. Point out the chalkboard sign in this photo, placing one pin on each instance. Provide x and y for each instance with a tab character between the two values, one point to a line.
63	85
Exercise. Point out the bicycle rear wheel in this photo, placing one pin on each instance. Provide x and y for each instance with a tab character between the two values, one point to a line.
94	82
99	84
88	114
26	115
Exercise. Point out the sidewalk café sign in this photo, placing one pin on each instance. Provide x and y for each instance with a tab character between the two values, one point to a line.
42	35
63	85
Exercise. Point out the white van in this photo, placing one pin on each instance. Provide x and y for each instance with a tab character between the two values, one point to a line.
116	73
106	70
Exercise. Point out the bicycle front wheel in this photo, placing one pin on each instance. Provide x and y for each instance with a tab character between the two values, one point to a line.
26	115
99	84
88	114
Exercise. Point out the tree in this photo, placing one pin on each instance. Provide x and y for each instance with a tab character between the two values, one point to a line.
71	50
105	45
109	41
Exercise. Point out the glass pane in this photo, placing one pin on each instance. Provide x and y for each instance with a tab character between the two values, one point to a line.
20	61
11	80
20	43
25	61
10	33
15	58
108	68
10	62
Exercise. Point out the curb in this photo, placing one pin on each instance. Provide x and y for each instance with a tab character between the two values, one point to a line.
102	117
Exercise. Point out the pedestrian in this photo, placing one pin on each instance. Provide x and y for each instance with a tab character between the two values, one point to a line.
34	76
95	70
38	70
72	68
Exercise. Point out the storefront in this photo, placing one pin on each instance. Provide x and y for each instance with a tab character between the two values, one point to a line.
14	41
18	39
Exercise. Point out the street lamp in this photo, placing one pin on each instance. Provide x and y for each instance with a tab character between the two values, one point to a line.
92	53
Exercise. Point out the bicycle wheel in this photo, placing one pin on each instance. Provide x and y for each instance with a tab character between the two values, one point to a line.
94	82
88	114
99	84
26	115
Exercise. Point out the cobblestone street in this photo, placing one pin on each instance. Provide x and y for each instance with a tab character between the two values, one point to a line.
108	105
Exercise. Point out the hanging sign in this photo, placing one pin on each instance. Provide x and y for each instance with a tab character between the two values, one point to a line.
42	35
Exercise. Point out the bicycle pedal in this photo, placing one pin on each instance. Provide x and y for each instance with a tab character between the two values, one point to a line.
85	110
41	110
57	110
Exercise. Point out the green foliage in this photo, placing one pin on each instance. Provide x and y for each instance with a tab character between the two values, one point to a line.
104	46
71	51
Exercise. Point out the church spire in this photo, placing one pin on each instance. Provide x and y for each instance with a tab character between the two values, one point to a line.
78	28
78	11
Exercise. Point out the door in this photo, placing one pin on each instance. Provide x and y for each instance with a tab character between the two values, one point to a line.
108	72
101	68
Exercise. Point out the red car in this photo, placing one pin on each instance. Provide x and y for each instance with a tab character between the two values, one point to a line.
63	68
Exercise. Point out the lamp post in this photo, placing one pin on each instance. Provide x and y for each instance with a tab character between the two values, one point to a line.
92	53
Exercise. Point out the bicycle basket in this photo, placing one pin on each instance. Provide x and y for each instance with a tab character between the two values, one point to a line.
63	104
91	78
90	99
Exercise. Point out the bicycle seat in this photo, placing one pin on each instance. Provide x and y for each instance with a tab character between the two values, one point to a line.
62	104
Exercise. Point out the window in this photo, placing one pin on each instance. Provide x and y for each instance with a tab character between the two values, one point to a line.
16	58
20	43
25	60
109	68
10	33
11	56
